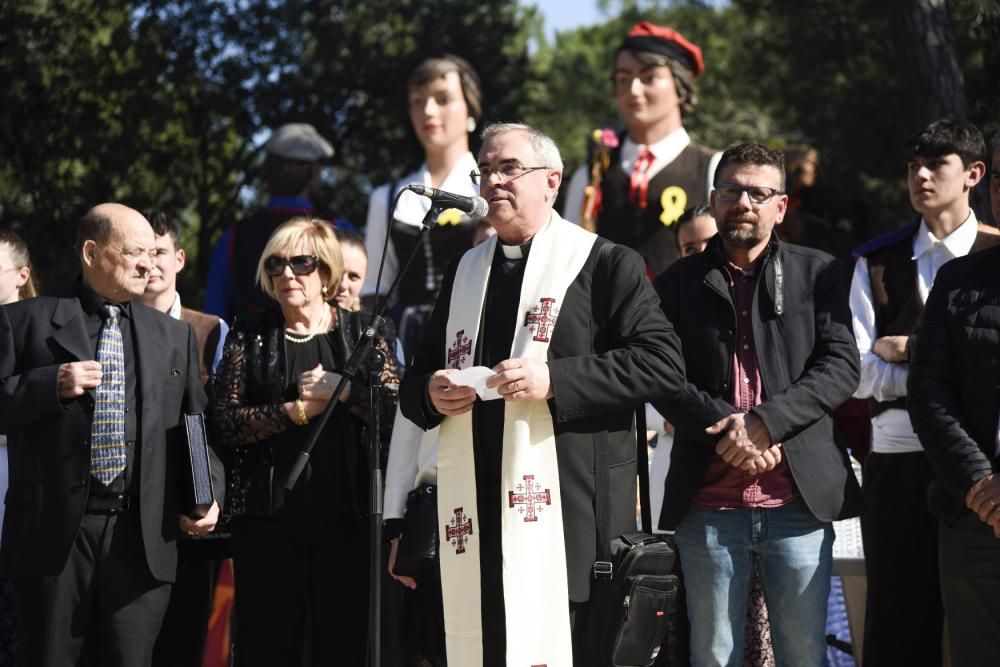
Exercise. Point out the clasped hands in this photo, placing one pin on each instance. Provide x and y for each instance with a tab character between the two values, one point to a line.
746	443
519	379
316	387
983	498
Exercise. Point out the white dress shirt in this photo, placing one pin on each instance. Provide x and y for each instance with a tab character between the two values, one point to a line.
665	151
884	381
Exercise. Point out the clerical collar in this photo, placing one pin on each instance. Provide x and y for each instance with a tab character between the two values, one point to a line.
515	251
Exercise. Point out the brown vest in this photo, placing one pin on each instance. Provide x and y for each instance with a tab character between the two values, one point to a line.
896	300
206	329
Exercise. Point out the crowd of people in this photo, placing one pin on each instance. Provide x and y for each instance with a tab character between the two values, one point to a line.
667	292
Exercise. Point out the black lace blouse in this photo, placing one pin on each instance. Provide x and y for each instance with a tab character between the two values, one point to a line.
258	373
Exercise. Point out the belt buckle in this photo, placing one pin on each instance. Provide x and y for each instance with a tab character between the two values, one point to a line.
110	504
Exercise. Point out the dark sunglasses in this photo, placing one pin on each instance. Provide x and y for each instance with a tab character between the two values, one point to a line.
301	265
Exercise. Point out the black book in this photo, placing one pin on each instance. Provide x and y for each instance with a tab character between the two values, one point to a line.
196	469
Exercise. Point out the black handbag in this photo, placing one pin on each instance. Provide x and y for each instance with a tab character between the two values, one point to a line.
634	590
417	553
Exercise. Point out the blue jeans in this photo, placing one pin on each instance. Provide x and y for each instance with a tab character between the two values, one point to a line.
792	551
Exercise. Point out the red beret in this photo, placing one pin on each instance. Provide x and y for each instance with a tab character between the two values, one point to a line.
646	36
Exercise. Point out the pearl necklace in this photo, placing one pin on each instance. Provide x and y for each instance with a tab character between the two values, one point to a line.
322	328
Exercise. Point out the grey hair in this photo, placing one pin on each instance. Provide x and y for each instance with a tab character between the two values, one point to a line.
545	149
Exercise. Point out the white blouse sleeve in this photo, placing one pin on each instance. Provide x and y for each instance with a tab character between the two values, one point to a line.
376	230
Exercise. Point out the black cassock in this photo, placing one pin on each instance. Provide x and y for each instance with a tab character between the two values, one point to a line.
611	351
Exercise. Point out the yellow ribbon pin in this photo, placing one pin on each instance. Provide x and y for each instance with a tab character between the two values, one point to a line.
450	216
673	201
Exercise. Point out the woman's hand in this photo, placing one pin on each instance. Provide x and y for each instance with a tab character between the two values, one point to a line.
409	582
318	385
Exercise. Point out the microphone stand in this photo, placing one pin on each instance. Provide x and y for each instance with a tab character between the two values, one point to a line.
364	353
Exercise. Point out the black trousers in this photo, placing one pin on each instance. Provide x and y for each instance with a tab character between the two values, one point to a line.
970	586
285	579
904	617
104	608
181	642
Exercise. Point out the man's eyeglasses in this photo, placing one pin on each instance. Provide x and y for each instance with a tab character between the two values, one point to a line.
758	194
506	171
301	265
623	82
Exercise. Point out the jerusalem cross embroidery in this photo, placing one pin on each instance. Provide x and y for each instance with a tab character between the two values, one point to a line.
542	318
458	530
459	350
528	495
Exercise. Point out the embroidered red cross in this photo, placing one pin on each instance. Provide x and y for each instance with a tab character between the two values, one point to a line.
461	349
542	318
459	530
529	494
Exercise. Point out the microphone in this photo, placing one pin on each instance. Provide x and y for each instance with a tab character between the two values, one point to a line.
476	207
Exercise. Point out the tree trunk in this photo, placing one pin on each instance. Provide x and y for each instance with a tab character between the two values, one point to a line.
928	59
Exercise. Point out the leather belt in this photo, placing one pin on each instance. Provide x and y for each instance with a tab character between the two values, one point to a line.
109	504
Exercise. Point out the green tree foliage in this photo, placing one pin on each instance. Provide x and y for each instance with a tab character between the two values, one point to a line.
165	104
784	72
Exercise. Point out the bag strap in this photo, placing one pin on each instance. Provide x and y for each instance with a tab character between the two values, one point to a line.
603	568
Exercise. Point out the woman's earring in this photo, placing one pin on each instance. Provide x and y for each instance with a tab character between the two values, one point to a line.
325	290
470	125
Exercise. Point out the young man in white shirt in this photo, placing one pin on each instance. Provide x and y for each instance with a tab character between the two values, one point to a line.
892	278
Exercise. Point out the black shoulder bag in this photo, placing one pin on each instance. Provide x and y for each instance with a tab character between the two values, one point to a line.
634	591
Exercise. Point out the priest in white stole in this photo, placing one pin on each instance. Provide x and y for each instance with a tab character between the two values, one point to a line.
573	329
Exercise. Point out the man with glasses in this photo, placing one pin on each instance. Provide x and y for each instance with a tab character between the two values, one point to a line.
90	383
568	327
640	180
756	476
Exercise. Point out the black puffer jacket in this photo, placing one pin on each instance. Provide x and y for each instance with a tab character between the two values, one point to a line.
953	386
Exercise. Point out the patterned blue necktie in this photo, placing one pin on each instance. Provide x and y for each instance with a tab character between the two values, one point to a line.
107	438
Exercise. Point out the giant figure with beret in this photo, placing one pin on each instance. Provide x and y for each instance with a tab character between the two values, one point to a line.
641	179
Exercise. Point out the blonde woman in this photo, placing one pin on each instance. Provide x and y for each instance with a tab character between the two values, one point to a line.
304	548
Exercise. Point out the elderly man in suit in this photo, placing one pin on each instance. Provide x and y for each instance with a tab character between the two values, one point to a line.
569	324
91	383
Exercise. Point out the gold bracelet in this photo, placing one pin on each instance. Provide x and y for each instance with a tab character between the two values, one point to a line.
301	417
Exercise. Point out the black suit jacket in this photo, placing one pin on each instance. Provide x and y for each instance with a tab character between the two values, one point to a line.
612	351
808	366
49	440
953	387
